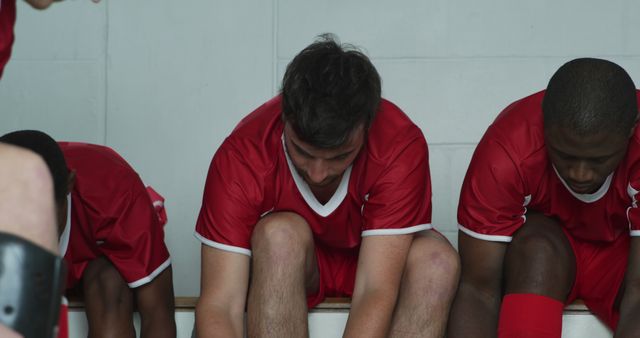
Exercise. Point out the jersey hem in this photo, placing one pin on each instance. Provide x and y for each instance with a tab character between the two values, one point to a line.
401	231
223	247
492	238
151	276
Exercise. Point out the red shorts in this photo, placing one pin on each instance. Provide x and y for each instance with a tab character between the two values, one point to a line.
600	270
337	270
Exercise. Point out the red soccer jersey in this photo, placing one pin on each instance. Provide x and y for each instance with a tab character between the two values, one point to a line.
387	189
111	215
7	20
510	172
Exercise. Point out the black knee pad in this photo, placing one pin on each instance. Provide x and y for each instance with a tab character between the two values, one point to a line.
31	287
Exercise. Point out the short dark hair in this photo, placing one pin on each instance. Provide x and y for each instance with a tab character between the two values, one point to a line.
588	95
45	146
329	89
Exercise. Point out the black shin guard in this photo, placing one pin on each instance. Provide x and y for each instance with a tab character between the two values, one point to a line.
31	286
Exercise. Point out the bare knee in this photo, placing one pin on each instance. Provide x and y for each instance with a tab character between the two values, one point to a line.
282	237
540	260
26	197
434	260
102	280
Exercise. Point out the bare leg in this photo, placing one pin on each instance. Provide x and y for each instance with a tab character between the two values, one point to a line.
429	283
108	300
156	306
26	197
284	269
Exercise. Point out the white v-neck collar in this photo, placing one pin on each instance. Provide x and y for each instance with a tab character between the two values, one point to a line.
66	233
326	209
587	198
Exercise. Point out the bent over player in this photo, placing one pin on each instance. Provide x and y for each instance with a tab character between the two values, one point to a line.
112	237
548	210
323	191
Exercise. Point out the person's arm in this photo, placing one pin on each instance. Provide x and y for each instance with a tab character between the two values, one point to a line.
156	306
476	307
380	265
8	333
223	293
629	326
39	4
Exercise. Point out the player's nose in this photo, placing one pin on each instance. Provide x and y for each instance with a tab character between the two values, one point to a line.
582	173
317	171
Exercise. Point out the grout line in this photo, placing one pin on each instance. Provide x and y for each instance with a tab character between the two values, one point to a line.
274	45
106	71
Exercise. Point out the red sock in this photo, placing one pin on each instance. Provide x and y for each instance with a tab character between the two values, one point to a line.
525	315
63	323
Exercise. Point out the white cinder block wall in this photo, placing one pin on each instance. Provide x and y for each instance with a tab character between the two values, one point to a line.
163	82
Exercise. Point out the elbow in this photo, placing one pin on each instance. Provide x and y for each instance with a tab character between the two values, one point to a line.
39	4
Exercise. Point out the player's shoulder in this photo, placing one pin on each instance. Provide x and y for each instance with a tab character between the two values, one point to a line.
519	127
391	132
257	139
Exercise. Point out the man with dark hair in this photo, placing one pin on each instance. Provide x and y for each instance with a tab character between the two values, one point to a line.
111	236
548	210
323	191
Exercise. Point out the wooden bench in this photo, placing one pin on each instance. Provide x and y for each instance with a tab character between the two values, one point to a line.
329	318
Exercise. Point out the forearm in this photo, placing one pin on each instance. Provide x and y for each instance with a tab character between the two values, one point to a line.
218	322
474	314
159	323
370	314
628	325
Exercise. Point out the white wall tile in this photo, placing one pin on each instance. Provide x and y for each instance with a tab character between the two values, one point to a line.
177	85
63	98
68	30
464	28
163	82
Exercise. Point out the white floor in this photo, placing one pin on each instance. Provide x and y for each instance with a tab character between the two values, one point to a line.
329	324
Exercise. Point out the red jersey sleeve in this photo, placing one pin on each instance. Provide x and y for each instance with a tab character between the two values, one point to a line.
492	200
7	21
135	241
231	203
400	200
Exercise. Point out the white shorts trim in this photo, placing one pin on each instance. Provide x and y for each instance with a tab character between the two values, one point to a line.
401	231
223	247
493	238
151	276
634	233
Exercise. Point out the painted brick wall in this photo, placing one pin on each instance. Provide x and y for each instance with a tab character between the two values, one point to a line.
163	82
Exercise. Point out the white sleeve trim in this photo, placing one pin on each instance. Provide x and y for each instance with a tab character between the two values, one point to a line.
151	276
224	247
401	231
493	238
